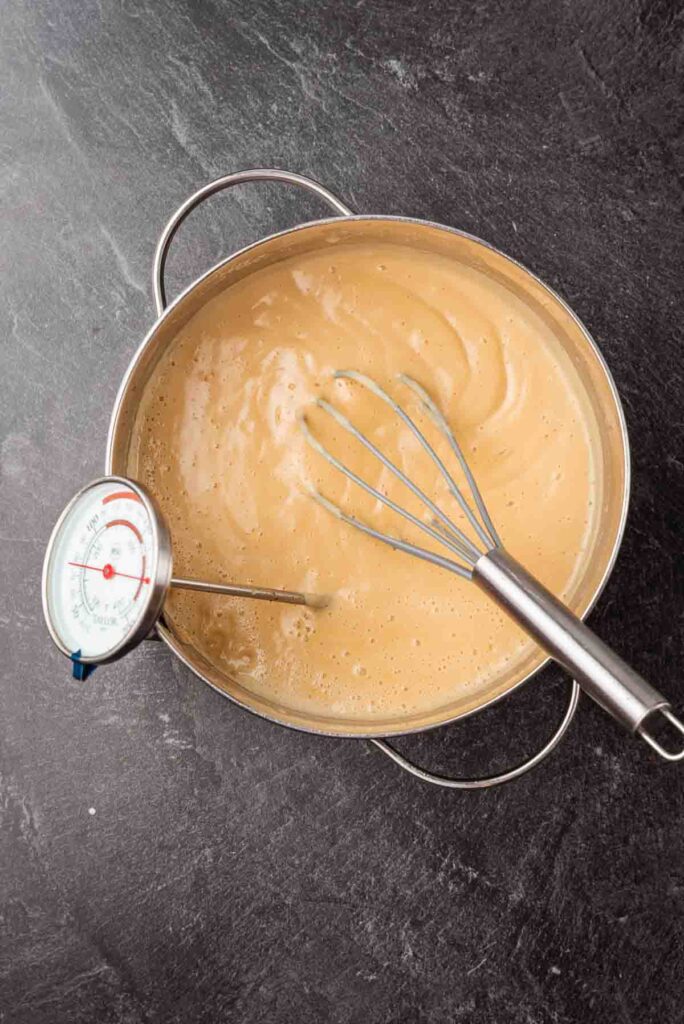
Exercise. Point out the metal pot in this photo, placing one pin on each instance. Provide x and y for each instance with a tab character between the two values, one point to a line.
346	226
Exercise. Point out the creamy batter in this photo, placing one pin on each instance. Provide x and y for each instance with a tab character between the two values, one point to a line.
217	440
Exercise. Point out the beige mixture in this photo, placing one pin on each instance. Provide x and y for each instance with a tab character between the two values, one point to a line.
217	440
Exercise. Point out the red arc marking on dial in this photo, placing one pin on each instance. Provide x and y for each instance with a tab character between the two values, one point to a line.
131	495
125	522
108	571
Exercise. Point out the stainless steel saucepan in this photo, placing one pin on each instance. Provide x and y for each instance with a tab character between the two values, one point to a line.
343	227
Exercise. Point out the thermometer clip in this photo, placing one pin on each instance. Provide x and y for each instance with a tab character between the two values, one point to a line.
80	670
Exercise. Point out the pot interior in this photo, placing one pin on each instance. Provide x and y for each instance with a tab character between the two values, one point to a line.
602	404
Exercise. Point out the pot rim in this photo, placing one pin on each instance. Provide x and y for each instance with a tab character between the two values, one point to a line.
166	634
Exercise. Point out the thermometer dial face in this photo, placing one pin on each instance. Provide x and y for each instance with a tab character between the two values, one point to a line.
107	570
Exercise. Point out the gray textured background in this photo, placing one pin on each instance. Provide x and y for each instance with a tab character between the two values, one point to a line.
164	856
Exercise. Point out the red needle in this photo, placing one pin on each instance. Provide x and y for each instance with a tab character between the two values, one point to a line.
108	571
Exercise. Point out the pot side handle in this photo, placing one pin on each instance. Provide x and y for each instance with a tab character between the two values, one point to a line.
227	181
488	781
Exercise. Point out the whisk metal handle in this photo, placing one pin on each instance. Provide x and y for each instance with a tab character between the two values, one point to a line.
599	670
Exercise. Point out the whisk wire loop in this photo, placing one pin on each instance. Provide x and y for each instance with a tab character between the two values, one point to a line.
443	427
439	420
347	425
394	542
441	528
451	542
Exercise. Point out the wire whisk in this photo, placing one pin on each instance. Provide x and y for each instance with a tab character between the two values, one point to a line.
482	558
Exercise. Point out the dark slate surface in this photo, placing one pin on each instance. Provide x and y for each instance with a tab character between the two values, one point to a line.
166	857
